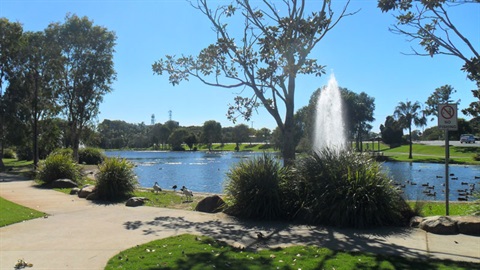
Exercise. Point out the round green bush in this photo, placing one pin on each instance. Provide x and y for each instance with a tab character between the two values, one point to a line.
24	152
253	189
346	190
9	153
116	180
90	156
58	166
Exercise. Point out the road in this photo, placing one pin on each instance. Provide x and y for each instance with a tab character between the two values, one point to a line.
452	143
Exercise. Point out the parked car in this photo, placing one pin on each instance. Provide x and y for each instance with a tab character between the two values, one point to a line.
467	138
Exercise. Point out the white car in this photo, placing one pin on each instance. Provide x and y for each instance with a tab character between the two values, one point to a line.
467	138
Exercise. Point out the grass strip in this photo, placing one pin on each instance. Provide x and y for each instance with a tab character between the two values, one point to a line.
429	208
11	213
433	153
197	252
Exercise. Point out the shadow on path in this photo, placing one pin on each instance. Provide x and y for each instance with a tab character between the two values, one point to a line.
280	234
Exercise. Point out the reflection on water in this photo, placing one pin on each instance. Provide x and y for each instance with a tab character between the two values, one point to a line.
206	172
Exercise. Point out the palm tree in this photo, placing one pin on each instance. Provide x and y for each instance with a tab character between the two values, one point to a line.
406	113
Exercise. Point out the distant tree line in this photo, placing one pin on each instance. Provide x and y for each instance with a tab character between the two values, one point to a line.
115	134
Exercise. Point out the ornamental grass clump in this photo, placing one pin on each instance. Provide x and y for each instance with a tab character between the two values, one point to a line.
253	188
345	189
116	180
90	156
58	166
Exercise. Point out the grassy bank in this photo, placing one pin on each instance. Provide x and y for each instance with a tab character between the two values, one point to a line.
195	252
435	208
433	153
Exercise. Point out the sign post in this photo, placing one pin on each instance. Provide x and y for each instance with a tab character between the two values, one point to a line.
447	120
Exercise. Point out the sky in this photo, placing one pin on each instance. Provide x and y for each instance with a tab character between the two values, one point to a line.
360	51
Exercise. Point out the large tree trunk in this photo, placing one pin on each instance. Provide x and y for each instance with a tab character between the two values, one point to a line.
75	140
35	125
35	143
75	146
288	146
1	140
289	136
1	144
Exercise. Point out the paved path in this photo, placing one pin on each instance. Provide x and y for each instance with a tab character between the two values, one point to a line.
78	234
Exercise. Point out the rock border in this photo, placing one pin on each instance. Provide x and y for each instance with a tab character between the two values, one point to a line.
448	225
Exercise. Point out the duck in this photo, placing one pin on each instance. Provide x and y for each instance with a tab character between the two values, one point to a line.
174	188
156	188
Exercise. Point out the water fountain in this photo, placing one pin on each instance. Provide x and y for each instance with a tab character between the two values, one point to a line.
329	128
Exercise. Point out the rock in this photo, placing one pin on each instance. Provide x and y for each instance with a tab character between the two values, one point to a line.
468	224
439	225
85	191
92	196
74	191
136	201
211	204
63	183
415	221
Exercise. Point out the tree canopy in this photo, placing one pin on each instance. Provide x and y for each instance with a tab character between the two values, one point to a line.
429	23
86	56
265	55
441	95
10	34
408	113
211	133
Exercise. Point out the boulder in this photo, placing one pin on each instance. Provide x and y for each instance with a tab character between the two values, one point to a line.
85	191
415	221
210	204
92	196
63	183
74	191
136	201
439	225
468	225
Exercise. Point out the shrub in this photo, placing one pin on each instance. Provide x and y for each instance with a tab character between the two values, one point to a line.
9	153
116	179
90	156
253	189
476	157
24	153
58	166
345	189
64	151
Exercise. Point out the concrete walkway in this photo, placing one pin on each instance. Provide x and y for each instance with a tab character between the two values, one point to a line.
79	234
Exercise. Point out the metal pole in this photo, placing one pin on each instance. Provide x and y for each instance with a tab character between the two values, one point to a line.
447	176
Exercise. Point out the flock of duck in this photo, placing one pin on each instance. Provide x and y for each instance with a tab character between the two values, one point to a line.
429	190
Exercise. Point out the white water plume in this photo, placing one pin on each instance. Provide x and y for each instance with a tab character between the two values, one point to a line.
329	123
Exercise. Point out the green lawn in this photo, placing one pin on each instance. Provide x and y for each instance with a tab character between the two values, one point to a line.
428	208
195	252
432	153
11	213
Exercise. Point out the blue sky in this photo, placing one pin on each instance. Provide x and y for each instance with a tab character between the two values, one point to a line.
360	51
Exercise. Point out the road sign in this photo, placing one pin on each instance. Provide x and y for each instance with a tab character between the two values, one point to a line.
447	117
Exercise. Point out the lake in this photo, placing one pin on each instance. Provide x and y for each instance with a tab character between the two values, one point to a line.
206	172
